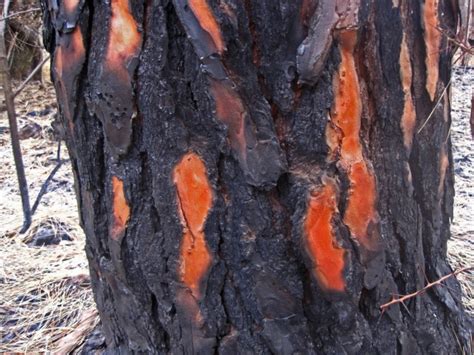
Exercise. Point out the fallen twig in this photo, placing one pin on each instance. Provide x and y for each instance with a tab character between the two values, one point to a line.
402	299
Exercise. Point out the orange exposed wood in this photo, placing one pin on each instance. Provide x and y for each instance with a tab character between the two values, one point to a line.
69	55
345	127
327	256
121	210
347	109
70	5
195	200
207	20
409	115
230	110
443	168
447	107
360	211
432	43
124	38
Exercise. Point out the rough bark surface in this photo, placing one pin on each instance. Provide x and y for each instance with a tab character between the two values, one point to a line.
252	176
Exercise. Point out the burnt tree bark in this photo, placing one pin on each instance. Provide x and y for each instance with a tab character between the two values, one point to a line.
258	177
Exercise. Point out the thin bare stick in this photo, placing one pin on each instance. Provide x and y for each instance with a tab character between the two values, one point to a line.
32	74
435	106
465	49
10	105
439	98
44	187
12	46
463	46
20	13
467	24
402	299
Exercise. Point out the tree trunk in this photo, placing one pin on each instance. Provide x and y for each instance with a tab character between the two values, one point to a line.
258	177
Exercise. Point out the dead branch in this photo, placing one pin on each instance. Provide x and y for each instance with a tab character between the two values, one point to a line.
12	46
44	187
402	299
32	74
21	13
435	106
10	105
465	49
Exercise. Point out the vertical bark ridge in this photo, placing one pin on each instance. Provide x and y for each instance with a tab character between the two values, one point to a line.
313	52
432	34
69	59
251	132
113	97
408	121
207	21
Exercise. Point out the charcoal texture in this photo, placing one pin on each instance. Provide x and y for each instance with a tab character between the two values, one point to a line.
256	111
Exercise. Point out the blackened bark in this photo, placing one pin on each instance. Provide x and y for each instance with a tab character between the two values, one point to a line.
259	176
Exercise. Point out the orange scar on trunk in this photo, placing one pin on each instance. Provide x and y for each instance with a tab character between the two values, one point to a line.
121	210
408	121
345	127
69	56
195	200
360	211
230	110
206	19
70	51
432	43
347	108
443	168
327	256
124	38
70	5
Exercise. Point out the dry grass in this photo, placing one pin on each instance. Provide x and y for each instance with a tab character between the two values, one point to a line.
46	292
462	257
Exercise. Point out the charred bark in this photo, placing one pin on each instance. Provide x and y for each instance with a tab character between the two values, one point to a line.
258	176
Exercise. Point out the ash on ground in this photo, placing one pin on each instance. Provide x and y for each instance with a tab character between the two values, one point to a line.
461	245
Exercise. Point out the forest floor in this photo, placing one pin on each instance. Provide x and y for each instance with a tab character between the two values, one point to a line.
461	245
46	289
